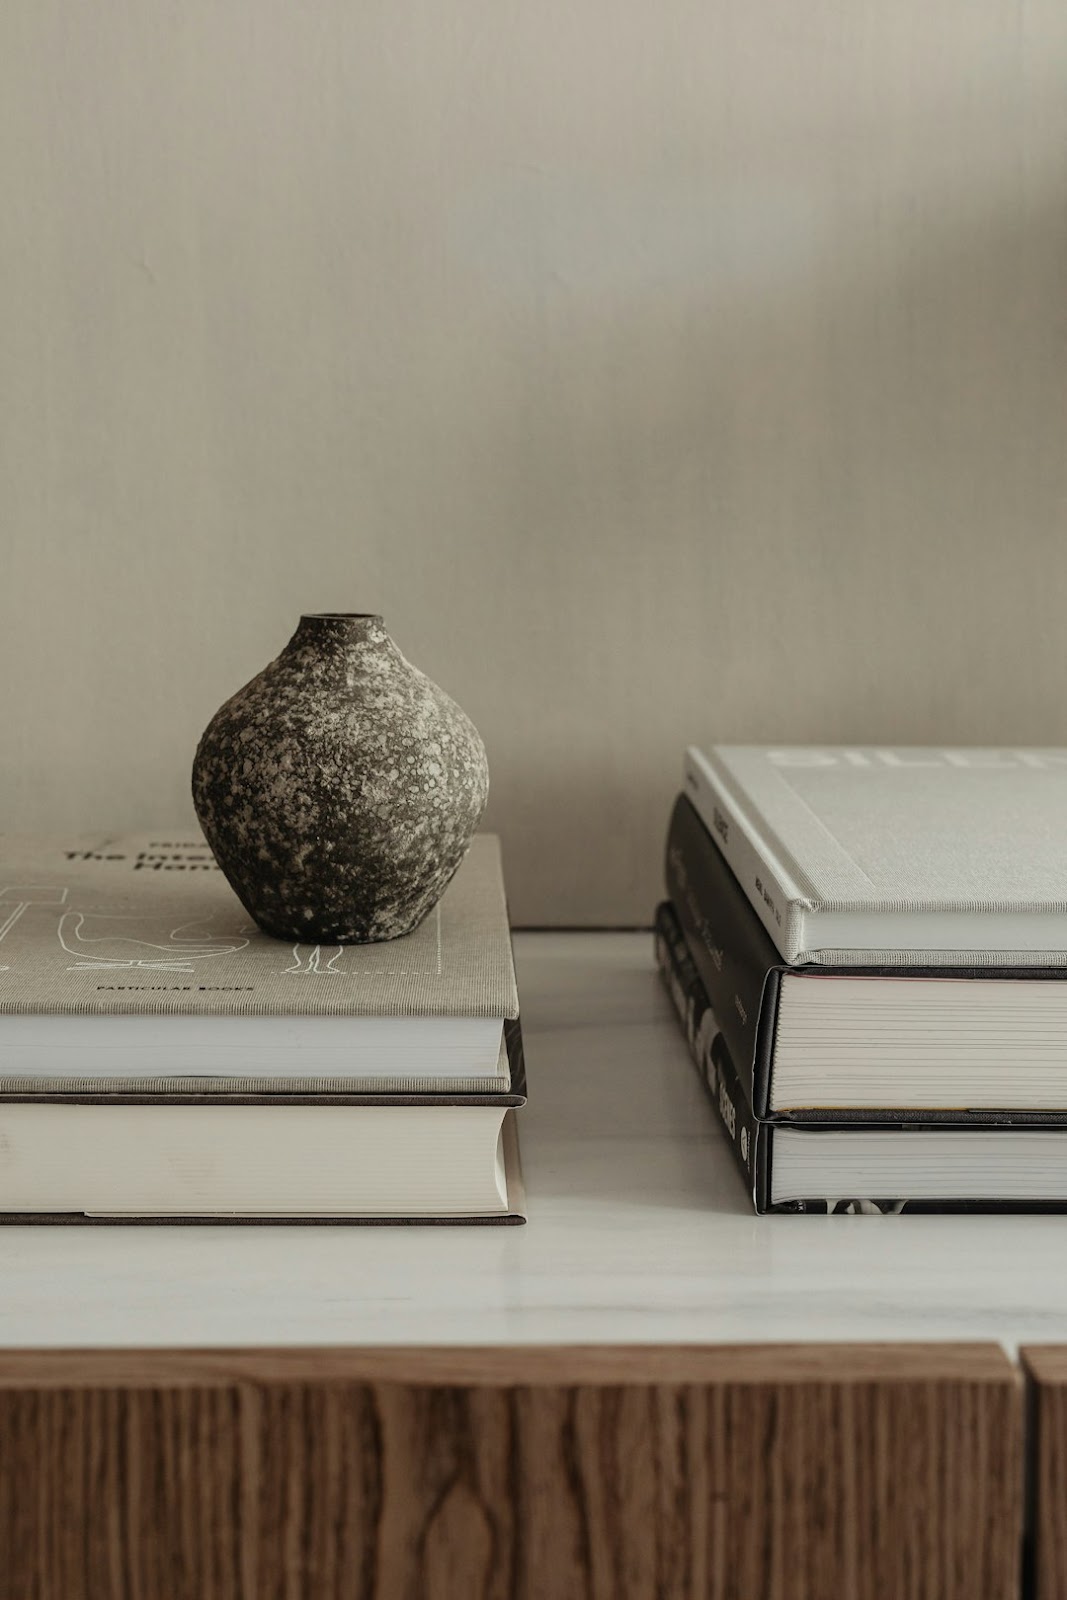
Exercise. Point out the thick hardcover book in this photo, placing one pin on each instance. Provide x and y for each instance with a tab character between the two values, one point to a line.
127	963
823	1044
873	1169
297	1162
895	857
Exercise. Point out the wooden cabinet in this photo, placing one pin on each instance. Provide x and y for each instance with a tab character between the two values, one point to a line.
860	1472
1045	1367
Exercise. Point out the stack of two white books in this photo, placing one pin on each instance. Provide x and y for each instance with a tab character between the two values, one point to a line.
161	1058
869	950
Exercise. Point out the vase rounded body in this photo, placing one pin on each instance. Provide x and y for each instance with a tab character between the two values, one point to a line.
339	790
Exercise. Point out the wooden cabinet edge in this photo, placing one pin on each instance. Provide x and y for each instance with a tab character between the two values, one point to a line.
513	1366
1044	1363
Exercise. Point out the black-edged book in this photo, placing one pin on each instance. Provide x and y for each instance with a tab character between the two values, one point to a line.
881	1168
819	1043
885	1100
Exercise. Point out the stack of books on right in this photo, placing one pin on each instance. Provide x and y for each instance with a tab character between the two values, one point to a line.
867	949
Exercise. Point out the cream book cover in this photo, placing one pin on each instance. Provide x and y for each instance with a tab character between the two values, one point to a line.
147	924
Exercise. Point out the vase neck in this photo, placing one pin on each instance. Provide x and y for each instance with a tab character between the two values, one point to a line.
341	637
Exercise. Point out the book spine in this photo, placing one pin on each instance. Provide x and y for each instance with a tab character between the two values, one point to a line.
734	956
747	1138
770	891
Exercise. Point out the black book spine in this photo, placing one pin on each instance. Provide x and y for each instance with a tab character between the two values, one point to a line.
748	1139
737	962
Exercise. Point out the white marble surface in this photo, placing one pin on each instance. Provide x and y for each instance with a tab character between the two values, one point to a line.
639	1228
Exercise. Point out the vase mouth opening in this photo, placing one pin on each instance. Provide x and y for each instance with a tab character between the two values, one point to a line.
340	616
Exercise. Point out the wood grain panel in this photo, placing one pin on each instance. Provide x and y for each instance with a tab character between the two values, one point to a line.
788	1473
1046	1369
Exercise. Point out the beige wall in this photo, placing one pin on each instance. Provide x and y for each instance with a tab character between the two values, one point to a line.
662	371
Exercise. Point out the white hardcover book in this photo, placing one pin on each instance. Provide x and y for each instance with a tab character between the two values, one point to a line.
883	857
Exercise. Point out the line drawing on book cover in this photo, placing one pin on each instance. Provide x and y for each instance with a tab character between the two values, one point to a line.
314	963
20	897
151	946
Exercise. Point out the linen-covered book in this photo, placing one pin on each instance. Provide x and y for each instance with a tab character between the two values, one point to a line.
128	964
895	857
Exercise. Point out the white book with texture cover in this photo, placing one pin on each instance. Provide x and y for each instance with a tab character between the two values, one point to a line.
894	856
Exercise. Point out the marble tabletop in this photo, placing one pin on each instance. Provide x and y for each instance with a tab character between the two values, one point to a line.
639	1228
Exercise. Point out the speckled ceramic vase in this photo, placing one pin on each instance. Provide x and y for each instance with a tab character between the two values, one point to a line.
340	788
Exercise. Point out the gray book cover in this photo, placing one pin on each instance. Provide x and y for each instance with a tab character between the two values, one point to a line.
901	856
146	924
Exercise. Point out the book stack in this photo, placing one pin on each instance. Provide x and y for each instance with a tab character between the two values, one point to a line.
867	949
161	1058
